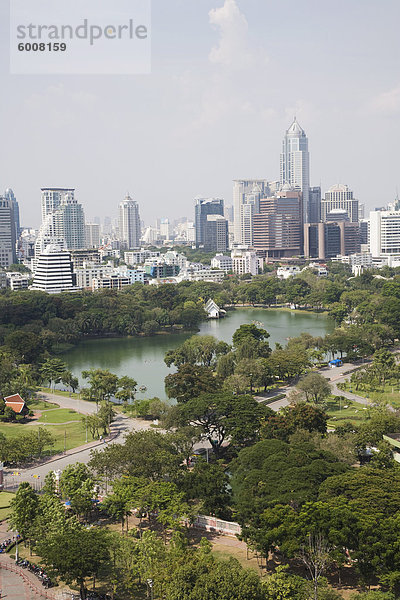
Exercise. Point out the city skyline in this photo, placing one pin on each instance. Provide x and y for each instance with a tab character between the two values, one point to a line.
208	130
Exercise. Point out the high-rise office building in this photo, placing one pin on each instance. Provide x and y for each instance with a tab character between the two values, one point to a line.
92	234
315	204
330	239
278	225
204	207
216	237
295	164
364	233
246	197
7	233
129	223
340	197
9	194
165	229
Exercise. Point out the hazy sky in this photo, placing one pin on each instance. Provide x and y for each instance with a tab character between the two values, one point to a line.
227	77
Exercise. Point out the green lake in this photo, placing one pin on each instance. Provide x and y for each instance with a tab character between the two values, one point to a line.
143	358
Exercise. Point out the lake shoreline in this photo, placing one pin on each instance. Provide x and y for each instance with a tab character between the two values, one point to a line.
143	357
173	331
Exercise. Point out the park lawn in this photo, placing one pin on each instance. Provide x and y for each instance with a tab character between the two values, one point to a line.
75	434
5	499
388	394
59	415
38	404
355	412
59	392
224	552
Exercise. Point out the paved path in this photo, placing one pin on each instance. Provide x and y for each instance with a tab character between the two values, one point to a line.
334	376
119	429
19	585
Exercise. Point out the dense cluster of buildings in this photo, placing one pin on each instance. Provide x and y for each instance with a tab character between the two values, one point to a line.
270	220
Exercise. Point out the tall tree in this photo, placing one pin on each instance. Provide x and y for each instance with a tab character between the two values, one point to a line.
24	510
76	554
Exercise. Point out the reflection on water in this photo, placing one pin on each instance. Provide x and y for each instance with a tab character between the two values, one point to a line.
143	358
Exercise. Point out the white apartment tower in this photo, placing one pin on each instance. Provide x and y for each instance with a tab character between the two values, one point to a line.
63	221
129	223
295	164
385	233
51	199
54	271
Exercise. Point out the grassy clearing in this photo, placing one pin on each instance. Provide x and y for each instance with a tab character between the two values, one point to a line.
355	412
37	404
73	433
389	394
5	499
224	552
59	415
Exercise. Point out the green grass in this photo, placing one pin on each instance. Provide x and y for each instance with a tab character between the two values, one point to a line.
59	393
37	404
59	415
5	499
355	412
383	395
75	433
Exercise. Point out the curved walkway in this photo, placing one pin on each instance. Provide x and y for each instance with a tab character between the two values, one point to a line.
121	426
334	376
16	584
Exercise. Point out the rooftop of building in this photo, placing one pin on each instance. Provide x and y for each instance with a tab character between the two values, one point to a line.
295	128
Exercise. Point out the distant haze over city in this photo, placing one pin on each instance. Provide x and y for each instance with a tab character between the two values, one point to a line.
228	77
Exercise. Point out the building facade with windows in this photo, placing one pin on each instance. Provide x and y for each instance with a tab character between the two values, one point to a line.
129	223
8	251
203	208
54	273
295	165
339	197
384	233
278	225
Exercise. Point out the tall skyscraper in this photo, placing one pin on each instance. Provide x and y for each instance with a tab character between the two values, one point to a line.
216	238
246	196
7	233
71	222
92	231
340	197
315	204
9	194
63	221
277	227
51	199
295	164
129	223
204	207
165	229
